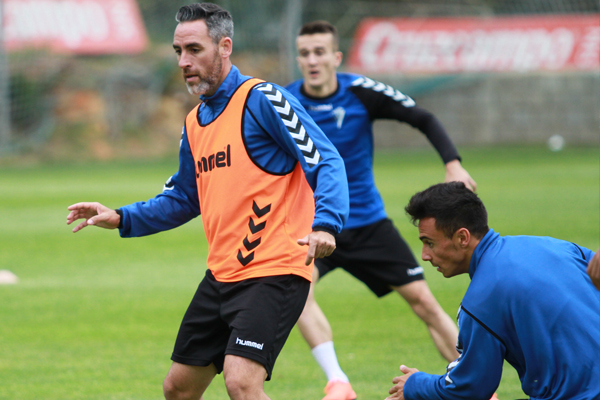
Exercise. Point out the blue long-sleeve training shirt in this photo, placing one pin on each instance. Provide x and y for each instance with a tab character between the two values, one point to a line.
346	116
530	302
272	148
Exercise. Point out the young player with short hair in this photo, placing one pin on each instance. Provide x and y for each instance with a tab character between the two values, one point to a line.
369	247
530	302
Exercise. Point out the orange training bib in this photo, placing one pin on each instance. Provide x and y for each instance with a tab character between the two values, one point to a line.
252	218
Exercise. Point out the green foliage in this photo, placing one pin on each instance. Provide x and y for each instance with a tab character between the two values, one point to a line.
159	17
94	317
26	94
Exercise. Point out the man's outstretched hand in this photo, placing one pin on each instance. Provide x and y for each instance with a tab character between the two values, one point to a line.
93	214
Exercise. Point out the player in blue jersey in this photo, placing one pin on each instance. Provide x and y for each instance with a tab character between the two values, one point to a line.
248	154
369	247
530	302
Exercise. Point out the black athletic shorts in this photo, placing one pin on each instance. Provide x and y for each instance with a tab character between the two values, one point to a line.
376	254
251	318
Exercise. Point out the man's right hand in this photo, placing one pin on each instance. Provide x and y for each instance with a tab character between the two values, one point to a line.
320	244
397	391
93	214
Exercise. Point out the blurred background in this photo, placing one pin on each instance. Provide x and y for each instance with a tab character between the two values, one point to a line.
91	108
98	79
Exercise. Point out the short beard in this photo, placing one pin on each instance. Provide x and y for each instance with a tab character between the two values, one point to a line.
209	83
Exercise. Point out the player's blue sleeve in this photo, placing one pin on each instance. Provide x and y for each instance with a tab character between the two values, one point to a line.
176	205
384	102
282	116
475	374
587	254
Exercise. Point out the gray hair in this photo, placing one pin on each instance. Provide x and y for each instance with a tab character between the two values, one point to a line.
217	19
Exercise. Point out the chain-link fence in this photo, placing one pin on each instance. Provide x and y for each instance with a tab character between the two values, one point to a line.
111	105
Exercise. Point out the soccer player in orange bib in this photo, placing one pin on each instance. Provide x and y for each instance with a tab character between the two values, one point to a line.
273	194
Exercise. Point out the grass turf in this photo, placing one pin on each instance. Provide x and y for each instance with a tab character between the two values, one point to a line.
95	316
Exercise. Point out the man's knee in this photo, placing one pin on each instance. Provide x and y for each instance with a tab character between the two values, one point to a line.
244	378
185	382
172	391
419	297
239	387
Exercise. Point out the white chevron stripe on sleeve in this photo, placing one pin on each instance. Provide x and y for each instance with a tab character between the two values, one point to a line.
292	123
389	91
314	160
283	110
267	88
307	147
275	97
358	81
300	135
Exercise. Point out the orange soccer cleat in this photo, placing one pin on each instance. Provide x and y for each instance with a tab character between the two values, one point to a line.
338	390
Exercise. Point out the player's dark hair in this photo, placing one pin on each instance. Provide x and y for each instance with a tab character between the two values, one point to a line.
453	206
217	19
311	28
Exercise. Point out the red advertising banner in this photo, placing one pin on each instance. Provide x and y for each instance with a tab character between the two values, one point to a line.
74	26
435	45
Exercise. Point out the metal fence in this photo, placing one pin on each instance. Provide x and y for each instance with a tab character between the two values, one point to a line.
61	102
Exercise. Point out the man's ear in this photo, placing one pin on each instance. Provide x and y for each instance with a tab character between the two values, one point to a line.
225	47
462	237
339	56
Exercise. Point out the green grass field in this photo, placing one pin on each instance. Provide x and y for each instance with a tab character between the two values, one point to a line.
94	317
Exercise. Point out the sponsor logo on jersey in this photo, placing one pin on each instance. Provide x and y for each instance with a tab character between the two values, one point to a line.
414	271
220	159
321	107
339	114
249	343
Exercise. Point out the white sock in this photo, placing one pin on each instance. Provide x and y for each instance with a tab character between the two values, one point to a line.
325	356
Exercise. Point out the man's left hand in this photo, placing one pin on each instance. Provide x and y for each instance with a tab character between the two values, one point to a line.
397	391
320	244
